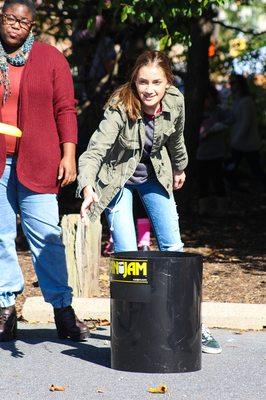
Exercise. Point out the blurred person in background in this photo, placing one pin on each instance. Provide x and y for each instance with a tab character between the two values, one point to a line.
245	141
210	156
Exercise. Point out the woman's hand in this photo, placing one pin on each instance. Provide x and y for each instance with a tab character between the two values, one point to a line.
90	197
178	179
67	172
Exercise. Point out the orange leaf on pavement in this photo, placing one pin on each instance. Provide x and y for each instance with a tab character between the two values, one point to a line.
55	388
158	389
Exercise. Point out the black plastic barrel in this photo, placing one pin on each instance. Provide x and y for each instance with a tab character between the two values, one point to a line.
156	311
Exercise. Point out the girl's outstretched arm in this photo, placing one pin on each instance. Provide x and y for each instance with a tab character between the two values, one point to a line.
102	140
90	197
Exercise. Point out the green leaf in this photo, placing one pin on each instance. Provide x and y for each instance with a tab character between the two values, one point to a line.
150	19
163	24
144	16
163	42
126	11
174	12
91	23
189	13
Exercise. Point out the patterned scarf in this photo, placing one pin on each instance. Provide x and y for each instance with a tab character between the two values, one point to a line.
19	60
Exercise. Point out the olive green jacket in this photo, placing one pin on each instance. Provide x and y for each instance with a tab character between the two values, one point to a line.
115	150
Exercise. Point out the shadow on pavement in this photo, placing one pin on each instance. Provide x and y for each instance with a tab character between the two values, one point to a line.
11	346
95	355
100	355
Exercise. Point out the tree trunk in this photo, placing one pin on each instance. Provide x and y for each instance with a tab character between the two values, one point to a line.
196	83
83	249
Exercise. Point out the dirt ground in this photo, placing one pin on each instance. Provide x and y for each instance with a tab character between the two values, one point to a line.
233	248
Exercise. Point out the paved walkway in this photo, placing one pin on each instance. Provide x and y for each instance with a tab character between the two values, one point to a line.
38	359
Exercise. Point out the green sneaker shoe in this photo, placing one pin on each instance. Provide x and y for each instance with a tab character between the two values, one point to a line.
208	343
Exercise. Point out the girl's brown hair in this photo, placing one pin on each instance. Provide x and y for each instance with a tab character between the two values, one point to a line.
126	95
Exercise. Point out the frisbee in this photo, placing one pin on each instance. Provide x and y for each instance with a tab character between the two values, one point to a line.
11	130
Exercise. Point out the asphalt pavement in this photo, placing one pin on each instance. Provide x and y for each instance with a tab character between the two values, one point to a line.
38	359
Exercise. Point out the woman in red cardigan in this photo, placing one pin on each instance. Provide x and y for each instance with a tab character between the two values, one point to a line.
36	95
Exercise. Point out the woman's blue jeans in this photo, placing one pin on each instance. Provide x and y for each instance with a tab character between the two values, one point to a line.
161	210
39	219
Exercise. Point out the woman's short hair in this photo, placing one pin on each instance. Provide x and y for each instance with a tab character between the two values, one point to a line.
28	3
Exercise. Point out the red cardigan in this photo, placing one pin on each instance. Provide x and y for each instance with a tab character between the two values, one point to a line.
46	116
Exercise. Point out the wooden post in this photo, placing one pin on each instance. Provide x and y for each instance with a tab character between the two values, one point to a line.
83	249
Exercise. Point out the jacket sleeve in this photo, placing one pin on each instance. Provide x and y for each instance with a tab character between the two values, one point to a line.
63	100
176	143
102	140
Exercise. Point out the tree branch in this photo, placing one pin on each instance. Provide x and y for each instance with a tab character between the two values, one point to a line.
236	28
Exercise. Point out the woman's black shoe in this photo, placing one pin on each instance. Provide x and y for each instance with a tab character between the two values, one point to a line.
69	326
8	324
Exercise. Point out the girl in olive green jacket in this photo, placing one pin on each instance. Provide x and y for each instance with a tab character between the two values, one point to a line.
139	145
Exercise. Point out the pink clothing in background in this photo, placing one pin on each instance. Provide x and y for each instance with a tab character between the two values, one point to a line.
144	232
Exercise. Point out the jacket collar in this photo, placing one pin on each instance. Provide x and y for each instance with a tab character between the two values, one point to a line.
169	99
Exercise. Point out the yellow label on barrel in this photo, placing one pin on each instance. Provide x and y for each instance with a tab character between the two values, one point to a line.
129	271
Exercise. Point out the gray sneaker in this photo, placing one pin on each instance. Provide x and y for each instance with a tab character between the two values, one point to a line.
208	343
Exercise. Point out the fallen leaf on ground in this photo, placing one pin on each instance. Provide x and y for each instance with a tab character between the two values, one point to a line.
91	324
55	388
104	322
158	389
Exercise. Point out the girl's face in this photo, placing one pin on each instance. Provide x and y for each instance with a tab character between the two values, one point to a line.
151	84
15	25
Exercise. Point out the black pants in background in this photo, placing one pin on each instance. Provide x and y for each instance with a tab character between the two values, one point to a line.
211	178
254	163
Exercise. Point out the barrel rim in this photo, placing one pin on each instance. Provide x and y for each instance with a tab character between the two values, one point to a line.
153	255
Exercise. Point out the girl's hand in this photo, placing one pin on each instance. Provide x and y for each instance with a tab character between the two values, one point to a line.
179	179
90	197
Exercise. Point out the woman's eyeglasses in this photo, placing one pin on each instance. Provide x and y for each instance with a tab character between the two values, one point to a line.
11	19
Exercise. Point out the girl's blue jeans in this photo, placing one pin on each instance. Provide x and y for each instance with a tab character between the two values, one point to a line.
161	210
39	219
